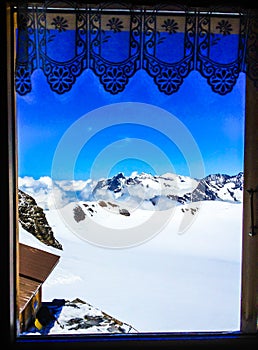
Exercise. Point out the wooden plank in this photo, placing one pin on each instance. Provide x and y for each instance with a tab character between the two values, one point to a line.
249	290
27	289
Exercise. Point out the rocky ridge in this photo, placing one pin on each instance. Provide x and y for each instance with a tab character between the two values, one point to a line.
33	219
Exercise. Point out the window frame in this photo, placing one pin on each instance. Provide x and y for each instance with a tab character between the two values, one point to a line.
9	266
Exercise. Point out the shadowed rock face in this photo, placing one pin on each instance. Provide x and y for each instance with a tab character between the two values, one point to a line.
211	187
33	220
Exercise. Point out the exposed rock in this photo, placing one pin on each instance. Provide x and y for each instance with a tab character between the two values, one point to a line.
78	214
124	212
78	316
33	219
89	316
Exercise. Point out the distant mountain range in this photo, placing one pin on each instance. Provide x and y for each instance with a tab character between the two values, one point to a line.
152	192
119	194
170	187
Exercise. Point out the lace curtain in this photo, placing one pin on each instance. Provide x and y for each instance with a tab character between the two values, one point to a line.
64	39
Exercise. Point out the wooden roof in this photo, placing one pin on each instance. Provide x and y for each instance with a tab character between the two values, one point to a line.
35	265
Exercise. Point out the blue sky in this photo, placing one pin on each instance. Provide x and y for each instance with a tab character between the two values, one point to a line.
215	123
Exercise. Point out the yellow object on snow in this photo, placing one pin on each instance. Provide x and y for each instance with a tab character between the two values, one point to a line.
37	324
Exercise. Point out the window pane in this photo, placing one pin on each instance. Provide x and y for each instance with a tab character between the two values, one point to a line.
143	193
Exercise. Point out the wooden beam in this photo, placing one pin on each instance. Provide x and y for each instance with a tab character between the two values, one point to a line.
249	293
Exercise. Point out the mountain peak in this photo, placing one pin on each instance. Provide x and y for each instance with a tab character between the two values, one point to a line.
170	187
139	188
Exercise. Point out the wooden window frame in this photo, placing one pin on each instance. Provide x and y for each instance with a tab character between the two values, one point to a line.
9	315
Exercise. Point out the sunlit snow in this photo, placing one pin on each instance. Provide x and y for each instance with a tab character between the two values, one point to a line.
171	282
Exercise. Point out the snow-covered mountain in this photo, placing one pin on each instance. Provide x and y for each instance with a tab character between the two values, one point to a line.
85	204
144	190
219	187
162	190
172	263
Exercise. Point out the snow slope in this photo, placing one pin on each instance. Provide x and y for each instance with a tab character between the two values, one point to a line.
174	281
